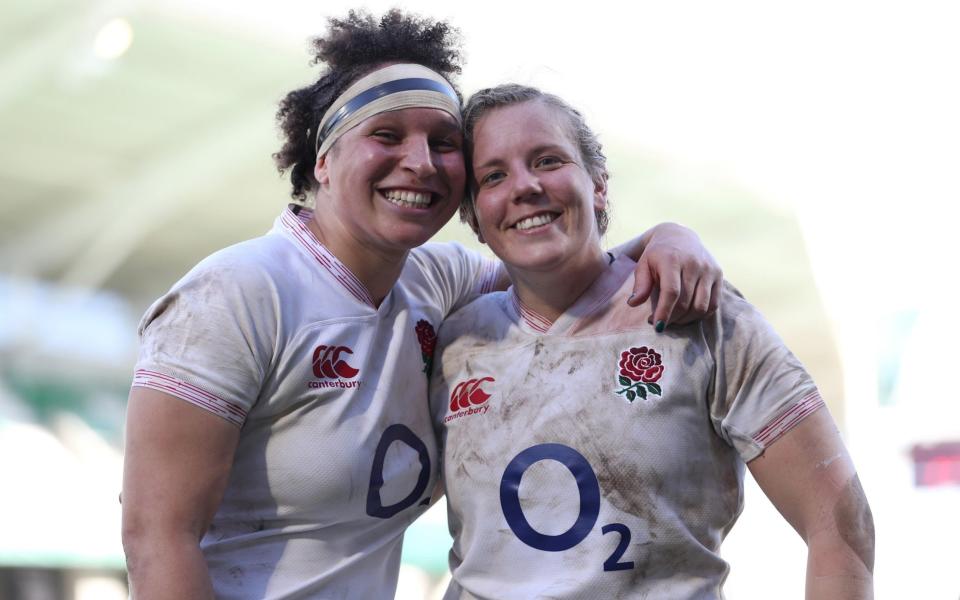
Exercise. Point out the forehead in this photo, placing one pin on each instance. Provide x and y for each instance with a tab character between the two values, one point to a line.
518	127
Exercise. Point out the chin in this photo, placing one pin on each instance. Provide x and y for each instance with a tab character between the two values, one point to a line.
534	262
413	239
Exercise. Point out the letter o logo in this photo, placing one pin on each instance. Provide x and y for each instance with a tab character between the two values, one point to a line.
403	434
587	486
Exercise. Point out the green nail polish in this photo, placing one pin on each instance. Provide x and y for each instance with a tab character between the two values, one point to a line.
660	326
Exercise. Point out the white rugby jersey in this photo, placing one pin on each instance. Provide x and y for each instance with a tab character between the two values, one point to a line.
595	458
337	454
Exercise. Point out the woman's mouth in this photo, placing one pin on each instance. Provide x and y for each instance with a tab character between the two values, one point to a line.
408	199
538	220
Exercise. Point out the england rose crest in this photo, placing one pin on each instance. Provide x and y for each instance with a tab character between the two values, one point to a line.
640	370
428	343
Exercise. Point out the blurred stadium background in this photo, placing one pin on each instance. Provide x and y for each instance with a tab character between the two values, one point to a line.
814	146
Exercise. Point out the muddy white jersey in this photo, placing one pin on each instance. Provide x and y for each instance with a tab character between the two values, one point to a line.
336	454
592	457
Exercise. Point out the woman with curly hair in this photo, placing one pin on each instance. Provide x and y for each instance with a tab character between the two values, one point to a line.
586	456
278	434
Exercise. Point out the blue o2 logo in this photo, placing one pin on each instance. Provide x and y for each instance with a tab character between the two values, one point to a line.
587	485
589	490
403	434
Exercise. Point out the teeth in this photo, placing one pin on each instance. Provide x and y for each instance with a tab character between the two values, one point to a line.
535	221
408	199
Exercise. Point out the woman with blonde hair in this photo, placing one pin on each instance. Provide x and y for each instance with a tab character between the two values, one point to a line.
587	457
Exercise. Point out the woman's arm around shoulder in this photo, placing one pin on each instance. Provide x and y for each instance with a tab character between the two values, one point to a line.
677	270
177	463
810	478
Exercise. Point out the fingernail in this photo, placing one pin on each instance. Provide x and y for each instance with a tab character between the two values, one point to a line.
630	298
660	326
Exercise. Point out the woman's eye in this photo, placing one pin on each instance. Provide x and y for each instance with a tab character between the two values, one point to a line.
492	178
385	135
548	161
446	145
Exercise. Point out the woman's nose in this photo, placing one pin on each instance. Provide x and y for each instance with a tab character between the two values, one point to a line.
526	184
418	158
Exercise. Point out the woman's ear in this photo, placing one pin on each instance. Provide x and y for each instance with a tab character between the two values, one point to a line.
320	170
599	193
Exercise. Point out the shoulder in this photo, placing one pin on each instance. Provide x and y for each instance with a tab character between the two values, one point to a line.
243	278
262	256
256	266
736	315
732	300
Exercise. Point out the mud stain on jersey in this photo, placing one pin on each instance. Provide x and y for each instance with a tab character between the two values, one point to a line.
236	573
620	477
630	491
693	351
507	409
575	357
463	473
475	458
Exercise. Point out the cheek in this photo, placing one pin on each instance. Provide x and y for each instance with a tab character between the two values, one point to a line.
580	194
486	213
373	162
453	168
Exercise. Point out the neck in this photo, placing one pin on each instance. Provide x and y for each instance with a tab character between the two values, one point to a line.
551	292
378	272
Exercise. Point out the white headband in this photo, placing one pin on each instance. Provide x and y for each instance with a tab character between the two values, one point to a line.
391	88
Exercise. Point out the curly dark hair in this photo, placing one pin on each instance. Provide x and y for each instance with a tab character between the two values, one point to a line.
353	47
485	100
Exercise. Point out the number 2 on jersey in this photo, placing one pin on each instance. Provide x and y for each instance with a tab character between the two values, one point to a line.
589	489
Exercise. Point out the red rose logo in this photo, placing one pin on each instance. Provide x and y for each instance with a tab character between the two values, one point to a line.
641	364
640	369
428	343
427	337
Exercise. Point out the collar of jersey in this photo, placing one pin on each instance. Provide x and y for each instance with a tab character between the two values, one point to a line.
596	296
296	226
528	317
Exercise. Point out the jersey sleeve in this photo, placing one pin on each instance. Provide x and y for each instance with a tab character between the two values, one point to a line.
761	390
454	274
210	339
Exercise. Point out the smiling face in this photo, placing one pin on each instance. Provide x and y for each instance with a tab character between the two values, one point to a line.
391	182
535	202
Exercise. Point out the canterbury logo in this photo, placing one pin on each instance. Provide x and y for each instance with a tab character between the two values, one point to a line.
328	364
469	392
